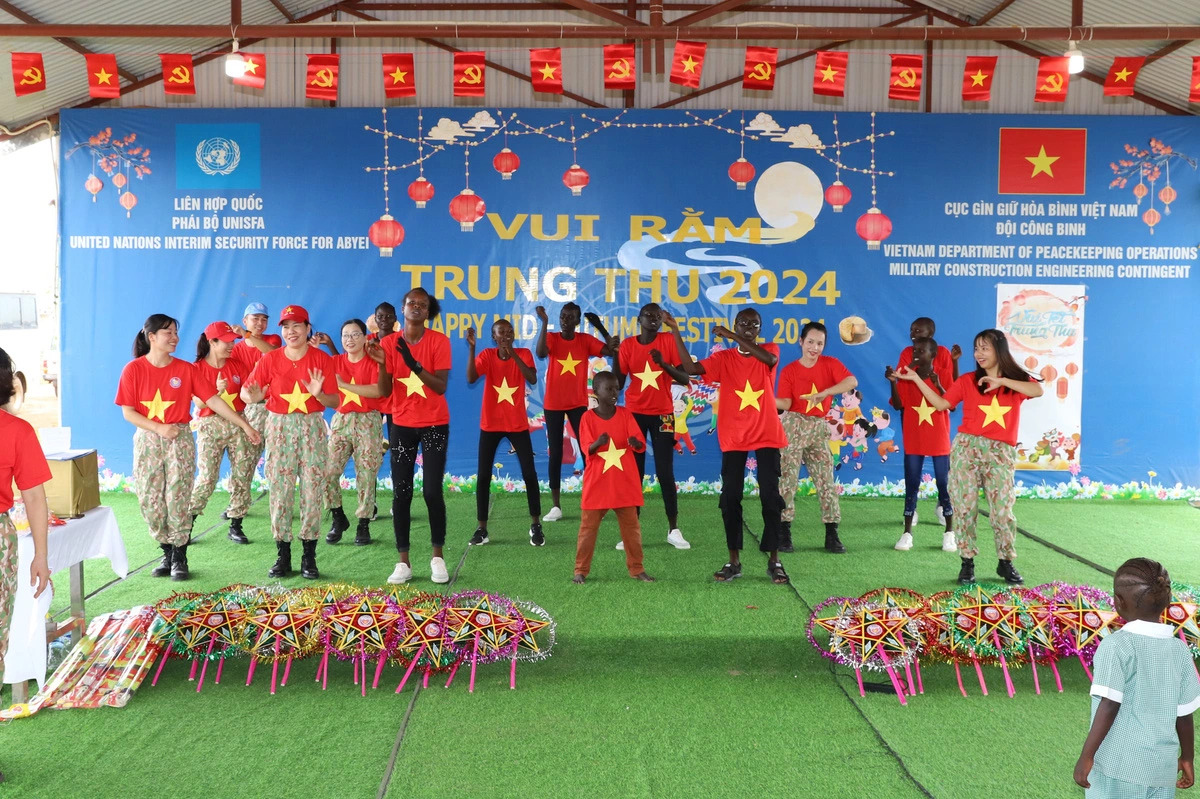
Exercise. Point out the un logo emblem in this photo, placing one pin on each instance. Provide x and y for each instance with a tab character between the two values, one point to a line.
218	155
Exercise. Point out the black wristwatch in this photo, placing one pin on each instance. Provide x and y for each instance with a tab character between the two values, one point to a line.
417	369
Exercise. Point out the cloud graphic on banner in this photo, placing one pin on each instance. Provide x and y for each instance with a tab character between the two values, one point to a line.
481	120
764	123
448	130
801	137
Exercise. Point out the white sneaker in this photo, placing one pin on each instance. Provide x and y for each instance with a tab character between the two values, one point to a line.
554	515
621	545
941	517
676	539
915	517
948	542
905	542
401	574
438	567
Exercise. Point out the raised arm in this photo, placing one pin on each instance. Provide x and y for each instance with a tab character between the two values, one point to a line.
610	341
472	373
690	365
752	346
1029	388
436	380
542	350
935	399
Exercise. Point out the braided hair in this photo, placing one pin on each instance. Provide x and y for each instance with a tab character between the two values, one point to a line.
1145	583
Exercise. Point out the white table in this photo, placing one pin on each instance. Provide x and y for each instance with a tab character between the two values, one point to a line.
94	535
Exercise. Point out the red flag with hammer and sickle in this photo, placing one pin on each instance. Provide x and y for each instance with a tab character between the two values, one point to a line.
321	82
177	74
760	68
469	74
29	74
1052	80
620	66
906	77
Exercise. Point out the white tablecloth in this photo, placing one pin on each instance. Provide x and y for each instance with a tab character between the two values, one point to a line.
95	535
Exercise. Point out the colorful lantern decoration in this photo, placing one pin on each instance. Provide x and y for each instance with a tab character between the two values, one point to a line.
873	227
741	172
468	208
837	195
1049	373
575	179
1062	388
119	180
386	234
420	191
1167	195
1031	362
128	200
1151	217
1072	369
1140	191
506	162
93	184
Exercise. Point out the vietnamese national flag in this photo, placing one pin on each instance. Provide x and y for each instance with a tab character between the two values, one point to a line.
398	75
469	74
321	80
1122	75
255	76
760	68
545	69
829	74
1194	91
177	75
688	63
1052	79
103	80
905	83
977	78
620	66
1043	161
29	73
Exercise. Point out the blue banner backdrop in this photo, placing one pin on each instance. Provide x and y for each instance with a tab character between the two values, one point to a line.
863	221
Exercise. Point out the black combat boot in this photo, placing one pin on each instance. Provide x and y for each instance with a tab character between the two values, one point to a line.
283	563
235	532
340	525
832	542
308	561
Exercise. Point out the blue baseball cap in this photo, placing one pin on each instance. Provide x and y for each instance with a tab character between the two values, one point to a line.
255	308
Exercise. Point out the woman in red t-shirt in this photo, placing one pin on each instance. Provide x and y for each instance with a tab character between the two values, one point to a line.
806	391
255	343
984	454
505	371
155	395
565	396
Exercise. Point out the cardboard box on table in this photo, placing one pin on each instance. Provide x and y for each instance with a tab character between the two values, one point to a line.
74	486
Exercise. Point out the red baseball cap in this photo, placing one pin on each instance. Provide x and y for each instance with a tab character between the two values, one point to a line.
222	331
293	313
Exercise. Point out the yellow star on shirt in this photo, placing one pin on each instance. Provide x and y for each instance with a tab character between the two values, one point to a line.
157	407
612	456
1122	75
229	398
568	364
812	404
924	412
103	76
349	397
828	74
978	78
994	412
297	400
504	392
648	376
749	397
1042	162
398	76
547	72
414	384
689	64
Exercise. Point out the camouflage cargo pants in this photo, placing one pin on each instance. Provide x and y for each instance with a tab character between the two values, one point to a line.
808	445
163	472
8	580
977	462
216	437
296	449
355	435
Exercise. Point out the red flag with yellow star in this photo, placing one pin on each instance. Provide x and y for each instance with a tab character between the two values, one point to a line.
469	74
1122	75
1194	92
545	69
829	75
177	74
102	75
398	75
255	76
1053	79
977	78
620	66
905	83
1043	161
29	73
688	63
321	80
760	68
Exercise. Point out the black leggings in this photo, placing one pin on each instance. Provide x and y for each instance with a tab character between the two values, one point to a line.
554	437
663	444
433	442
733	482
488	441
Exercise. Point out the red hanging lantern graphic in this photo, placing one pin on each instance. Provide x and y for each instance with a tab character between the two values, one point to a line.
1063	388
873	226
741	172
93	184
1031	362
506	162
575	179
1072	369
1049	373
1140	191
128	200
468	208
1167	195
386	234
1151	217
837	195
119	180
421	191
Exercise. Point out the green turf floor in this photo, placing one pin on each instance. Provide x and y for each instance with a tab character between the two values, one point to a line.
654	690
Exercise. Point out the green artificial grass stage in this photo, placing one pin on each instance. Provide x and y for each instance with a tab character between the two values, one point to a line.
683	686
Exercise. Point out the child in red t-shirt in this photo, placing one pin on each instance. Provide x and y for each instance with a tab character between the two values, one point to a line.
610	437
926	432
505	371
984	454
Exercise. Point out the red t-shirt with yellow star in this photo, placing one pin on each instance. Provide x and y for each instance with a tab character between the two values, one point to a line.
748	419
412	403
284	380
567	370
503	407
796	380
926	429
252	354
648	386
943	364
995	415
610	477
21	459
235	371
162	393
363	373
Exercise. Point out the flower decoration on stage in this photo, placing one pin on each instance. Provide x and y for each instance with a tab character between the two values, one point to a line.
838	196
467	208
506	163
421	191
386	234
741	172
1150	164
116	157
575	179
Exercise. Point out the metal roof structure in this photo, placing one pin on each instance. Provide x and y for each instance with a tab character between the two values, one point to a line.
945	31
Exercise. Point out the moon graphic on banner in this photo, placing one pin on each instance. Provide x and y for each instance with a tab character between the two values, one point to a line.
788	197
